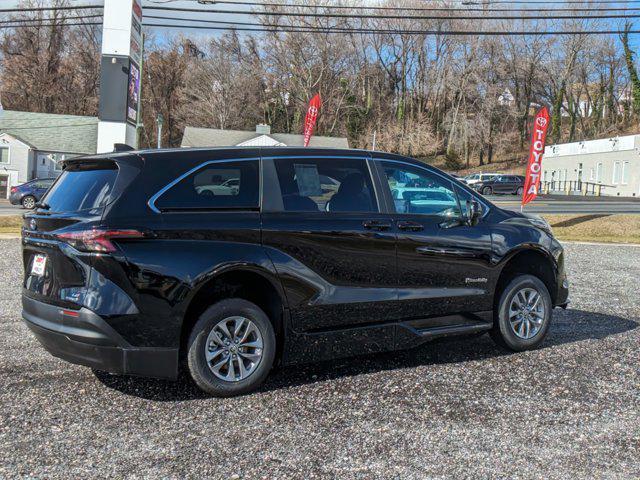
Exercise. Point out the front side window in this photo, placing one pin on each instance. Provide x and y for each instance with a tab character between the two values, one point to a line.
215	186
415	190
325	185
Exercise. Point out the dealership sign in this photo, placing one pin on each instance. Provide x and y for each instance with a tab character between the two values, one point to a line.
534	166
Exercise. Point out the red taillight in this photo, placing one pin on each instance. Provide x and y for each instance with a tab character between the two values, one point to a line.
14	189
97	239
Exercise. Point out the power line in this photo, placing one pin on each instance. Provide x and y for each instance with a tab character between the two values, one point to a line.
265	25
35	20
425	9
379	7
373	31
50	9
23	25
390	17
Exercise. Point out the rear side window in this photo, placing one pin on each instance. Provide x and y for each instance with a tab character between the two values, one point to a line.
214	186
81	188
325	185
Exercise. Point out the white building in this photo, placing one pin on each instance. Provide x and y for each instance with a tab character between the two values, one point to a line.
33	144
611	165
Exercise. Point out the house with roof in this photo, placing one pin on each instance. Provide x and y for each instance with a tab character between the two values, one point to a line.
261	137
33	144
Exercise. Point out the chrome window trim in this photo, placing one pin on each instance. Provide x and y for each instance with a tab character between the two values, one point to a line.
152	201
420	167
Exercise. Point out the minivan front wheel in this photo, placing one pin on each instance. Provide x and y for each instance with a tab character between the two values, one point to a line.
523	314
231	348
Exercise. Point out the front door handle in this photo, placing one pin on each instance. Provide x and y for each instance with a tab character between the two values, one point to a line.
376	225
410	226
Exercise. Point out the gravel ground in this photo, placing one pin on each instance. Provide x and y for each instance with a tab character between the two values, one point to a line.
461	408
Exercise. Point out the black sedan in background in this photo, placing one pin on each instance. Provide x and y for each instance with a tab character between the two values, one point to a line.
503	184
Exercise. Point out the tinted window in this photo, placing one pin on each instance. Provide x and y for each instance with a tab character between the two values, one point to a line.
81	189
312	185
218	185
415	190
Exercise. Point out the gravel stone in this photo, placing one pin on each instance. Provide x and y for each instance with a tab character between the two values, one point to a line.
460	408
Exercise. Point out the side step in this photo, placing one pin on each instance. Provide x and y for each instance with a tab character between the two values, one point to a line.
450	330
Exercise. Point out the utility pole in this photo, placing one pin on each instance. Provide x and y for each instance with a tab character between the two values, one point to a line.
160	121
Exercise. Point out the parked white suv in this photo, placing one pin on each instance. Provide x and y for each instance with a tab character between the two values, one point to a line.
478	177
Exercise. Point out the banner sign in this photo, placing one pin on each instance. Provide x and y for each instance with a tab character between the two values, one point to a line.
534	166
311	117
133	100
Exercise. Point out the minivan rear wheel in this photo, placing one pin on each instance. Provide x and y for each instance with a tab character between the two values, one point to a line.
487	191
523	314
231	348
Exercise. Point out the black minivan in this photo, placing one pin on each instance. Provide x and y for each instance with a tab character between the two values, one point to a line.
226	261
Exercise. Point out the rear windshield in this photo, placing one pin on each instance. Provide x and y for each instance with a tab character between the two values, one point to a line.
81	189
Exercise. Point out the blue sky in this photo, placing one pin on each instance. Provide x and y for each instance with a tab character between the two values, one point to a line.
163	34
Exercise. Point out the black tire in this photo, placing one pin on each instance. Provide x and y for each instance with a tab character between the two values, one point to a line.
202	375
487	191
503	333
28	202
519	191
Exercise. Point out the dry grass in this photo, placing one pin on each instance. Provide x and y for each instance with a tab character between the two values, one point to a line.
596	228
10	224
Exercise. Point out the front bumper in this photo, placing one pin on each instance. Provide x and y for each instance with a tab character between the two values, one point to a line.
84	338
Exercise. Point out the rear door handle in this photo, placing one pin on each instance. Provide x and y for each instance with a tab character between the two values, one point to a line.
376	225
410	226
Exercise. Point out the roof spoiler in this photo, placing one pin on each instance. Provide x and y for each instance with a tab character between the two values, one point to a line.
122	147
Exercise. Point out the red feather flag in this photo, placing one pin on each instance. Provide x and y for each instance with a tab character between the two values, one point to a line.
311	117
534	167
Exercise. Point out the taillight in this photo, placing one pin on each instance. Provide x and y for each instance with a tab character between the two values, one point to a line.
14	189
97	239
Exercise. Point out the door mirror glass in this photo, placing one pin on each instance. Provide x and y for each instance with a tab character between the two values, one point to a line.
473	213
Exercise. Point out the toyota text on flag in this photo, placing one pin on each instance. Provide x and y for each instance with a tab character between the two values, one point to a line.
534	166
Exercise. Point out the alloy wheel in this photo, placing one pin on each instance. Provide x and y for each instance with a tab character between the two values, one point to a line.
526	313
28	203
234	348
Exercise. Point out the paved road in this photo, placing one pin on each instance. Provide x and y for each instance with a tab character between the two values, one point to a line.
553	205
456	409
7	209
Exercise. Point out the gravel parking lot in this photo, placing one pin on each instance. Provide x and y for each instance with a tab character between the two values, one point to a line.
461	408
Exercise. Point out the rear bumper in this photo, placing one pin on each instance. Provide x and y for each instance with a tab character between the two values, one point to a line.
86	339
15	199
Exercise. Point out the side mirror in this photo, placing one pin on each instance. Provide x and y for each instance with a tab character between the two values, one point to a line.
474	212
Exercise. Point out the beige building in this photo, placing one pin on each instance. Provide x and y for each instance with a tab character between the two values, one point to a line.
608	165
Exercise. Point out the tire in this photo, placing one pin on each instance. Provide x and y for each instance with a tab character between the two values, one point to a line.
487	191
504	332
28	202
203	339
519	191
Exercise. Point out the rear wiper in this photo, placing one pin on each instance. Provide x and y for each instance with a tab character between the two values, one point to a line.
43	206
